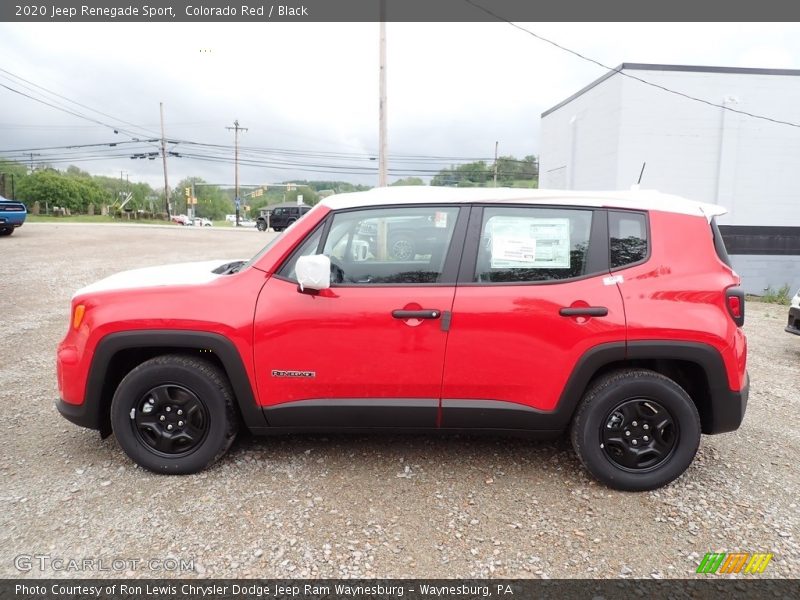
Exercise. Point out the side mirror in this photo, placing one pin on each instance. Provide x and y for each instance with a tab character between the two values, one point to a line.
313	272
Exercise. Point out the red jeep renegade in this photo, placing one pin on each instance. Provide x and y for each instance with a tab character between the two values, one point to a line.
614	316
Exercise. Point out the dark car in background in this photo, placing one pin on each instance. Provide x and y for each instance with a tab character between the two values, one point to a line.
12	215
281	216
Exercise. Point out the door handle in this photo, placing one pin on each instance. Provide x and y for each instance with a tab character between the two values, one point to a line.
417	314
583	311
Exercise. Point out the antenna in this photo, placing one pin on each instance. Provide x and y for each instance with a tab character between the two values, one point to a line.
644	164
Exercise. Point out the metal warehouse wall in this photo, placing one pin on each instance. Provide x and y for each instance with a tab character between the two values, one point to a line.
600	137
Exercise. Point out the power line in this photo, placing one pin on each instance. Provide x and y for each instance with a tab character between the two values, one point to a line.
628	75
52	93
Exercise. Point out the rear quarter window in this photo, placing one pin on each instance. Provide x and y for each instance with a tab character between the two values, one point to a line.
628	240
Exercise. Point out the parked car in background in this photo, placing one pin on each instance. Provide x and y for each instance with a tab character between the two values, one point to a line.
794	315
12	215
180	219
200	222
280	217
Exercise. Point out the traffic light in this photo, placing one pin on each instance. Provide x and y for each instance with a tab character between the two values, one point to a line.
187	192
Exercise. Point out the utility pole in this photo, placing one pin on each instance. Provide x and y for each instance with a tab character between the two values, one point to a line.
164	158
495	163
236	129
31	154
382	141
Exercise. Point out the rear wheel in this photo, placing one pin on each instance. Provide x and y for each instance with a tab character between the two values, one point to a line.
174	414
7	231
636	430
402	247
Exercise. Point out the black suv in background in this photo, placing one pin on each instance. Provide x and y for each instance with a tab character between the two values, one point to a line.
280	217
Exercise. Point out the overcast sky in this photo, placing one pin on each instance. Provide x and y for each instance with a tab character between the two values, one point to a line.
453	89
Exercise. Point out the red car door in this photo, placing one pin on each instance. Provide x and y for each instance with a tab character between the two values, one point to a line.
534	296
368	351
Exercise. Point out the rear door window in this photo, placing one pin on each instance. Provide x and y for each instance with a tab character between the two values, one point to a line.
527	244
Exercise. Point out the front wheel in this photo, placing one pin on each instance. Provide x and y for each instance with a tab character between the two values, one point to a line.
174	414
7	231
636	430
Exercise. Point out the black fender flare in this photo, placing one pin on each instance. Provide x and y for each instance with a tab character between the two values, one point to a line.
724	411
97	401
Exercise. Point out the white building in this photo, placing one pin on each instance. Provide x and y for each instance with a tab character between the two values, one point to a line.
600	137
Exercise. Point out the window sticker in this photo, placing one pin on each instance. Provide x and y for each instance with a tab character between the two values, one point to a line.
440	220
529	243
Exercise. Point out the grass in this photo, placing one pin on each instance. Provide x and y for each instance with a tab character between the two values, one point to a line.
105	219
91	219
779	296
71	219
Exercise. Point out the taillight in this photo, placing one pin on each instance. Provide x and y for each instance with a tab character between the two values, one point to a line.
734	299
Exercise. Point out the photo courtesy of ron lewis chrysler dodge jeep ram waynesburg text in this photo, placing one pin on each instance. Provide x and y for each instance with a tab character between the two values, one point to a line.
615	317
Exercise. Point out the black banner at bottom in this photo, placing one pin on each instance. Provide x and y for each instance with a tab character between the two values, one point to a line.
392	589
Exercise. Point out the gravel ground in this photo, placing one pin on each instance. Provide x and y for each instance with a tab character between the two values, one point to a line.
359	506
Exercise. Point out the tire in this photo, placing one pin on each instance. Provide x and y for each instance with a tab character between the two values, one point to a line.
6	231
277	229
261	225
662	425
175	386
402	248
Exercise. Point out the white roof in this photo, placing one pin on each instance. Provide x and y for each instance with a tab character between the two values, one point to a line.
633	199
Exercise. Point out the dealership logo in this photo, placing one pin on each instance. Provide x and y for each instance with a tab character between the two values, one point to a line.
736	562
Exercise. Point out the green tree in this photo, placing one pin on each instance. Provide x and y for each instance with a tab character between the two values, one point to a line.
510	171
59	189
11	175
212	201
408	181
339	187
466	175
310	196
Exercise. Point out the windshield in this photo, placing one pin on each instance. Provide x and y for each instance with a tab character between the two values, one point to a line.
260	253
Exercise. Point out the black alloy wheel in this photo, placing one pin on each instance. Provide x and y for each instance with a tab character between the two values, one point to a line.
639	434
175	413
170	420
636	429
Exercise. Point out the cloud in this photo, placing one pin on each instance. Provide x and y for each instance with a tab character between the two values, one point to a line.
454	88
